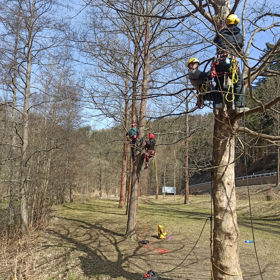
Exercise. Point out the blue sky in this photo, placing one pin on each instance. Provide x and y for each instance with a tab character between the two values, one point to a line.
79	16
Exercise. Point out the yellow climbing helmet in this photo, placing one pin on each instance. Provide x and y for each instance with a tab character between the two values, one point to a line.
193	60
232	19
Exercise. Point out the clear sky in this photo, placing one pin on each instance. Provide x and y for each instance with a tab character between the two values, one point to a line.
78	15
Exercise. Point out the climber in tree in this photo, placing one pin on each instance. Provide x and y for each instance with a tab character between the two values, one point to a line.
200	80
149	146
132	136
229	44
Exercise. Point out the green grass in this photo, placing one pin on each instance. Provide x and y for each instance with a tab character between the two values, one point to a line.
85	240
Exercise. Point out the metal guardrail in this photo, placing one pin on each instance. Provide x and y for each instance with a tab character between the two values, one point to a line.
269	174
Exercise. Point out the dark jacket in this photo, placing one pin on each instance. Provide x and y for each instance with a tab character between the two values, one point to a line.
232	34
150	144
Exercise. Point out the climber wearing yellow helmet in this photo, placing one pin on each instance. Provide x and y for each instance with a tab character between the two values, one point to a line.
231	40
229	44
200	80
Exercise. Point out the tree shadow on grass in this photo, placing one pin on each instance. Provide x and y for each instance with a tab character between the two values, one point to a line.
93	208
96	263
266	227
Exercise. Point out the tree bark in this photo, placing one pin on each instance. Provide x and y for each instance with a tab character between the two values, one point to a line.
123	175
131	221
156	177
226	256
25	131
125	149
137	165
13	172
278	155
187	185
129	183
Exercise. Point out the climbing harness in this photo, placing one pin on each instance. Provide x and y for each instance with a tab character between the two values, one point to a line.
203	93
230	76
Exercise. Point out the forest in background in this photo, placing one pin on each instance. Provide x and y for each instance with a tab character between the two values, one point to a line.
63	62
68	160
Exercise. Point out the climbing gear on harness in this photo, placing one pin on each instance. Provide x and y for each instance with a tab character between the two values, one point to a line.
228	65
150	275
232	19
204	92
205	87
192	60
161	232
231	79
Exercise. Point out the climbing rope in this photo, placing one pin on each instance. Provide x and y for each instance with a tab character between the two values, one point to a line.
221	270
211	223
234	79
143	242
250	205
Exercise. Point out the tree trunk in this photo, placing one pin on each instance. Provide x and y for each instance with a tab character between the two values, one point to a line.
100	179
131	221
174	171
146	71
226	256
156	175
129	182
13	172
278	168
125	149
137	165
123	175
278	155
25	134
187	185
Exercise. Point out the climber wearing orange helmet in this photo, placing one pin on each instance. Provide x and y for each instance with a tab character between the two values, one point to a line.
149	146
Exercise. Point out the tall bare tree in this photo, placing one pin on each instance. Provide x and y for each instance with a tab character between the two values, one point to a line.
225	259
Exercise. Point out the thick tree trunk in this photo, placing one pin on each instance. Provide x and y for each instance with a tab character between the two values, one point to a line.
128	185
278	168
137	165
187	186
125	149
25	131
131	221
13	172
225	248
145	83
278	155
156	177
123	176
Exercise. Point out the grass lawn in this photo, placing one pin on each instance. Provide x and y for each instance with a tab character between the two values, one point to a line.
85	240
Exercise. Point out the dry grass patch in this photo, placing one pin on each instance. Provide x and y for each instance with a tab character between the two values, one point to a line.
86	240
